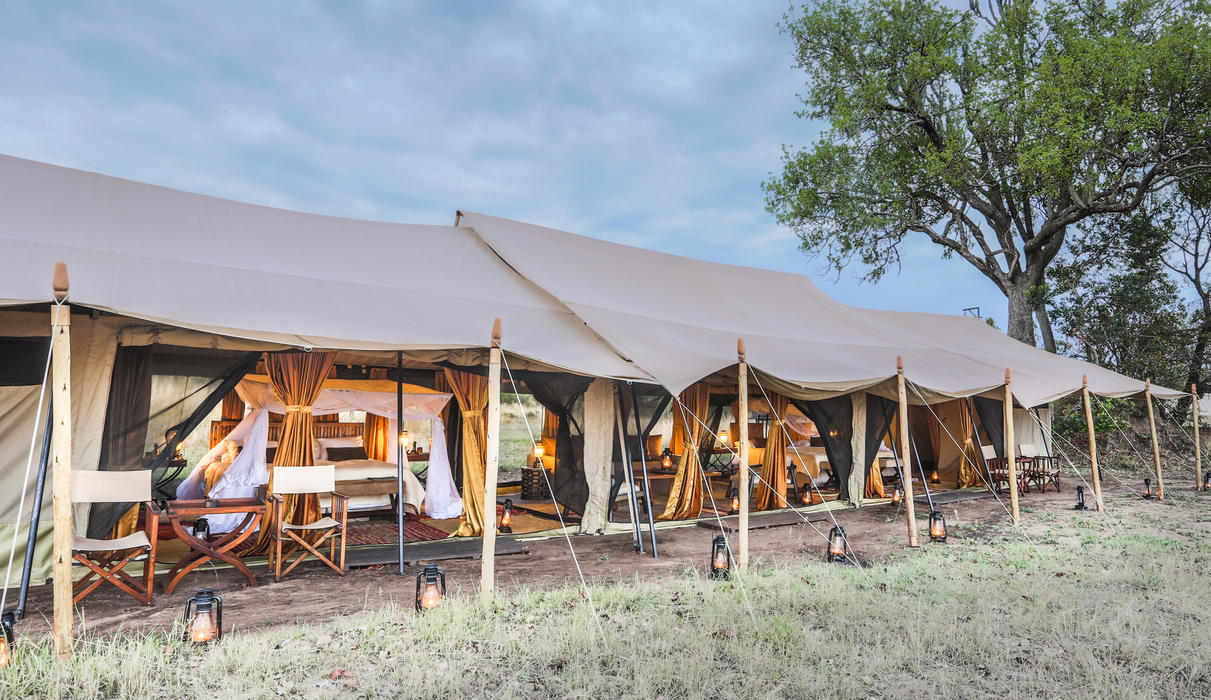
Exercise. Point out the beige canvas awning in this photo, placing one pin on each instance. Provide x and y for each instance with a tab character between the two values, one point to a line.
566	301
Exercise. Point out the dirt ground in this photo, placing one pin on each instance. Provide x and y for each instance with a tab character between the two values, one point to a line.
314	593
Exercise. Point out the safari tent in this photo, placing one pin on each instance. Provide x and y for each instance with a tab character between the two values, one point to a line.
193	295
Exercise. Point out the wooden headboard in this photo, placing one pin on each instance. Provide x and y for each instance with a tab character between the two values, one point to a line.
220	428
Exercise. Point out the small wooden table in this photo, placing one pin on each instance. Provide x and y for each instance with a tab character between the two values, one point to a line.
221	548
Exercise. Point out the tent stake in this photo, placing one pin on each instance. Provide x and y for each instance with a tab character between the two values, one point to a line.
1198	448
1097	472
61	479
910	510
1011	455
1156	448
742	424
487	573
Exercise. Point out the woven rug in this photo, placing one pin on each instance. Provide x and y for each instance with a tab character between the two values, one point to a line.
380	532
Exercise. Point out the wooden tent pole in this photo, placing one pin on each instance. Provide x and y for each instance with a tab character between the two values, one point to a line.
1011	456
1156	447
910	510
61	484
487	575
1097	472
742	425
1198	447
401	454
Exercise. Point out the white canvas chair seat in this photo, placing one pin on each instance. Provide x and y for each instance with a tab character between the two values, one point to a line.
105	558
135	540
304	537
323	523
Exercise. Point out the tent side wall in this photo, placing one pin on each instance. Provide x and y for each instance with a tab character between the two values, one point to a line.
93	342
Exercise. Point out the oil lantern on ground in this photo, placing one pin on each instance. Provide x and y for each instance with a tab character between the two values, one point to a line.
430	588
1207	480
838	545
1147	489
933	478
6	636
721	558
506	517
897	495
666	459
204	616
937	526
735	500
1080	499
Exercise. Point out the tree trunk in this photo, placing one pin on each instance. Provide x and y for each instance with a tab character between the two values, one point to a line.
1021	316
1044	320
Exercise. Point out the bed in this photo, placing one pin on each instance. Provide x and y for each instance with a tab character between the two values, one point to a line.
370	484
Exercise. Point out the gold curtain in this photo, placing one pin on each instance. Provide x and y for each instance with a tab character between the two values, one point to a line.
550	424
297	379
773	462
233	406
471	392
965	435
376	437
685	496
677	440
874	482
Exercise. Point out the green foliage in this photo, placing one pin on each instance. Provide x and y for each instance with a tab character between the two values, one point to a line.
988	132
1116	303
1069	418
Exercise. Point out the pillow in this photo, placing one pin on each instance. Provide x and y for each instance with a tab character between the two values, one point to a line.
341	454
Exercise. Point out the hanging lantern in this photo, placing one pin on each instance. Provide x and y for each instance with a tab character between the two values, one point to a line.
721	559
937	526
735	500
666	459
430	588
897	495
1080	499
933	478
838	545
404	439
506	517
1147	489
204	617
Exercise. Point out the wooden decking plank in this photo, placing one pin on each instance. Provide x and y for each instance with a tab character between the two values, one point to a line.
434	550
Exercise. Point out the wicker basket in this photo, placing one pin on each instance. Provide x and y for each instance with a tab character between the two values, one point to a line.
534	485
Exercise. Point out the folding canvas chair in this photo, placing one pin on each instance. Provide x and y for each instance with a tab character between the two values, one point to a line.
1041	469
105	559
319	479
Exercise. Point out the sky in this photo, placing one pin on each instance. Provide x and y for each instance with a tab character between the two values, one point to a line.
649	124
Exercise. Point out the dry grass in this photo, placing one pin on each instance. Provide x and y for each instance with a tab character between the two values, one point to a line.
1072	609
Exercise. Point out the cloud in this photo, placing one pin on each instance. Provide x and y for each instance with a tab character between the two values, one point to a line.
651	124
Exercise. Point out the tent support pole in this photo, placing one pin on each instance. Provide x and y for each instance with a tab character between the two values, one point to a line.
627	472
1156	448
401	454
35	515
61	479
1097	472
487	573
910	510
742	425
643	464
1011	456
1198	448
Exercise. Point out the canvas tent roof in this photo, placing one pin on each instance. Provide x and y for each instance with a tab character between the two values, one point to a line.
567	301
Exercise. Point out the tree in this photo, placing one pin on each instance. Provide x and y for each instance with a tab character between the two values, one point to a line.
1115	303
1188	224
989	132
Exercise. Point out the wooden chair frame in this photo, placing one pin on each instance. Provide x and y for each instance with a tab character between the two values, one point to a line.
308	541
1040	470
